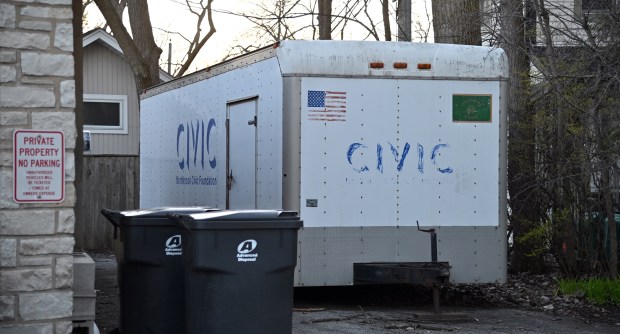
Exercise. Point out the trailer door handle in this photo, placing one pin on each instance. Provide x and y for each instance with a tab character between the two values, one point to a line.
252	121
229	180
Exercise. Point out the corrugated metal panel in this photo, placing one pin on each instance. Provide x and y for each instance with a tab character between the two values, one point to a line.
107	73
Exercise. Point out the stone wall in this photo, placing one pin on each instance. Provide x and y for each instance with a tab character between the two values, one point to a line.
37	91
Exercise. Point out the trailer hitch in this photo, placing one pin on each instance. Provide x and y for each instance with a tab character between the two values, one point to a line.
435	285
433	241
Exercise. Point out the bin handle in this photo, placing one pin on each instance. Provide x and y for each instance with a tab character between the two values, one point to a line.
113	216
180	220
291	214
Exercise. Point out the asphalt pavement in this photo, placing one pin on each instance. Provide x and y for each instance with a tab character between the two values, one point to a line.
351	310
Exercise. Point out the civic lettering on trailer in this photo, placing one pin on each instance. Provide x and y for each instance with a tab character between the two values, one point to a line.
194	152
399	157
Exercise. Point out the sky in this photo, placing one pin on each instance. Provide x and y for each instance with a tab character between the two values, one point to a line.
174	16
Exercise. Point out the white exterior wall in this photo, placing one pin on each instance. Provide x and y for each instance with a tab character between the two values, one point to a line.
37	91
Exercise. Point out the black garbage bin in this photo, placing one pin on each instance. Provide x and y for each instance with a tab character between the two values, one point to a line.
150	270
240	271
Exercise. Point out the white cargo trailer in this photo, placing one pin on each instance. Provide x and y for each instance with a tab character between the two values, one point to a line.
364	139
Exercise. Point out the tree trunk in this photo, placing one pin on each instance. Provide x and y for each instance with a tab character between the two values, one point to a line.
325	19
142	31
141	52
457	22
385	9
521	143
611	223
403	16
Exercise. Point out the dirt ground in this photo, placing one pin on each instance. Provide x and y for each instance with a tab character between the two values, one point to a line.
390	310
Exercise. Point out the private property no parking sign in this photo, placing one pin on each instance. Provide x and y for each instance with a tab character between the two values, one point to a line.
38	166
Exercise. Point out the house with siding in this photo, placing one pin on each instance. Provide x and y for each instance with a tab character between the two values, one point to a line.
112	122
110	98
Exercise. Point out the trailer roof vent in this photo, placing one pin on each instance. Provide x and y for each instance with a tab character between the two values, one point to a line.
424	66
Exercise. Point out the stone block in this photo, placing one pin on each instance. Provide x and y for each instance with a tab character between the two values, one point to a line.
69	167
8	57
70	195
7	73
84	305
58	13
25	40
27	222
83	273
6	196
35	25
6	159
46	305
7	308
35	261
27	329
7	15
63	272
46	246
43	64
6	134
63	38
66	221
57	120
64	327
67	94
8	253
27	96
13	118
25	279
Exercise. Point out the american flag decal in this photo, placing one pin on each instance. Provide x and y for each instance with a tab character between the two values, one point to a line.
328	106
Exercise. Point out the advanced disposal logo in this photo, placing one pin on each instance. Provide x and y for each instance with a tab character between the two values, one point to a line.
245	251
173	246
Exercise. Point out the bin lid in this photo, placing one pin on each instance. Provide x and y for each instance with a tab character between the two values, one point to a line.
154	216
241	219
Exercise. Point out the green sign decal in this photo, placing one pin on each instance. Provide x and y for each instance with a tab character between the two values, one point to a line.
471	108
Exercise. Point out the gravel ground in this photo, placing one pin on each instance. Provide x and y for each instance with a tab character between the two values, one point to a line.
526	304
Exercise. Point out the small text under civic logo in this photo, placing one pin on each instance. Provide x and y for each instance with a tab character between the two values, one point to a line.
173	246
245	251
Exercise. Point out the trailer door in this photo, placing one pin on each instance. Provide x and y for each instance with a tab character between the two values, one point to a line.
241	151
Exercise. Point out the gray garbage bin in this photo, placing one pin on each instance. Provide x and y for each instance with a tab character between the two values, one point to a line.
239	271
150	270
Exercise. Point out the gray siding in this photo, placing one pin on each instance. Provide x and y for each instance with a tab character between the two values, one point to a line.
106	72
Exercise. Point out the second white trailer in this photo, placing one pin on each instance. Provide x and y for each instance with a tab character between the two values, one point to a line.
363	139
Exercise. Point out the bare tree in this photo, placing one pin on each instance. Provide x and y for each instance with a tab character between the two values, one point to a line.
564	146
292	19
457	22
200	10
139	46
141	51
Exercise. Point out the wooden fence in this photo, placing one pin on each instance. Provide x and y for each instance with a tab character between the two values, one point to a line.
110	182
